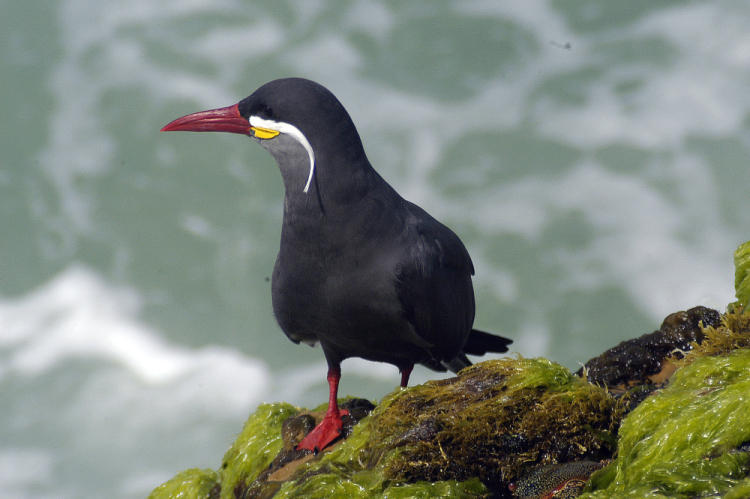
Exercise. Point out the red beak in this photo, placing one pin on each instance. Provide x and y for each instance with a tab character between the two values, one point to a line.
225	119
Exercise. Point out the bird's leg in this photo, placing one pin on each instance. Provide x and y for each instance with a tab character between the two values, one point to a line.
405	372
330	428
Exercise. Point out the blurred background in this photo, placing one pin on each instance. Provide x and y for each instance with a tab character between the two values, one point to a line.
593	157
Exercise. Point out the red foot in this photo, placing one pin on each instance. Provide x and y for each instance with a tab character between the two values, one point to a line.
326	432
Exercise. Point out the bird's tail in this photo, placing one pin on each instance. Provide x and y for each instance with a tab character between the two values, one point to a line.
479	343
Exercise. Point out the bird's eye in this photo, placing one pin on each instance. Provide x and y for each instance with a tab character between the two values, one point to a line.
265	111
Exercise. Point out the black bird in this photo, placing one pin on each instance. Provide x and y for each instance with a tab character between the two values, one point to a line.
360	270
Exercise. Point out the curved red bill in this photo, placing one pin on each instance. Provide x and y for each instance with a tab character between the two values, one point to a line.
224	119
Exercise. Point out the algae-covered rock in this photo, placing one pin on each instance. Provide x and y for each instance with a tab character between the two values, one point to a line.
289	459
732	333
494	421
742	273
250	454
189	484
647	359
467	436
255	447
690	439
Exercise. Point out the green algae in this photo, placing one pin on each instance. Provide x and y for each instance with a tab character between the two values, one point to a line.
742	273
689	439
739	491
255	447
252	451
189	484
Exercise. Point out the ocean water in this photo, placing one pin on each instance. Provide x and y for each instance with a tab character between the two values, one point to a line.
593	156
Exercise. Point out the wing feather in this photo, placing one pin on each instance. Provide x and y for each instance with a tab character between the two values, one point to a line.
434	284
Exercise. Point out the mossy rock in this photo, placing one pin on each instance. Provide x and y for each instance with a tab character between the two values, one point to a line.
730	334
494	421
254	448
471	435
467	436
190	484
691	439
742	273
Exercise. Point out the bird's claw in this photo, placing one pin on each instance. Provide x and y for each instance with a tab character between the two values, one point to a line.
326	432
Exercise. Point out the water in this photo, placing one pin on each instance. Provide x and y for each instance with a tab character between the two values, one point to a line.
592	156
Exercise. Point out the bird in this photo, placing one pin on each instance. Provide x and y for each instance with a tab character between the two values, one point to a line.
360	270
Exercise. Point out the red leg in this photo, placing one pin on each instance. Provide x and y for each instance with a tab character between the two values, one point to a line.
405	372
330	428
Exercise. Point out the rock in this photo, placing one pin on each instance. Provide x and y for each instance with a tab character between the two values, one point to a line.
190	484
647	359
289	459
523	424
469	436
742	274
556	480
689	439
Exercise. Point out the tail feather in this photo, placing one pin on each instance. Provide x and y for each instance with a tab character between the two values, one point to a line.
479	343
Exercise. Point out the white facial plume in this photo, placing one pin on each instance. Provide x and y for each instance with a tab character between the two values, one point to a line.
292	131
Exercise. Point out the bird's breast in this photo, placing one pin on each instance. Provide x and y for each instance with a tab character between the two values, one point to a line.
337	295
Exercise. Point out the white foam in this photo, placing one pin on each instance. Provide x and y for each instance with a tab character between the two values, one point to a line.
371	17
533	339
307	58
79	145
644	241
699	91
78	315
197	226
134	393
243	42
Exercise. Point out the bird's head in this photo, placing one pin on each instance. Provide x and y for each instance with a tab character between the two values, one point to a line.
296	120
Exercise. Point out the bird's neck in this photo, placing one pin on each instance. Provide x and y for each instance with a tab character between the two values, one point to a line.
334	194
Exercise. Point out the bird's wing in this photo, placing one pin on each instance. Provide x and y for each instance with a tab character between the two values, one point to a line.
434	284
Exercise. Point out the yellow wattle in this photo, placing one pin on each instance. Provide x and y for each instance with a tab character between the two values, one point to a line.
264	133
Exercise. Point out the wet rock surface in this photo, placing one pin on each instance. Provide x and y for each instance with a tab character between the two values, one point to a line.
559	481
646	359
